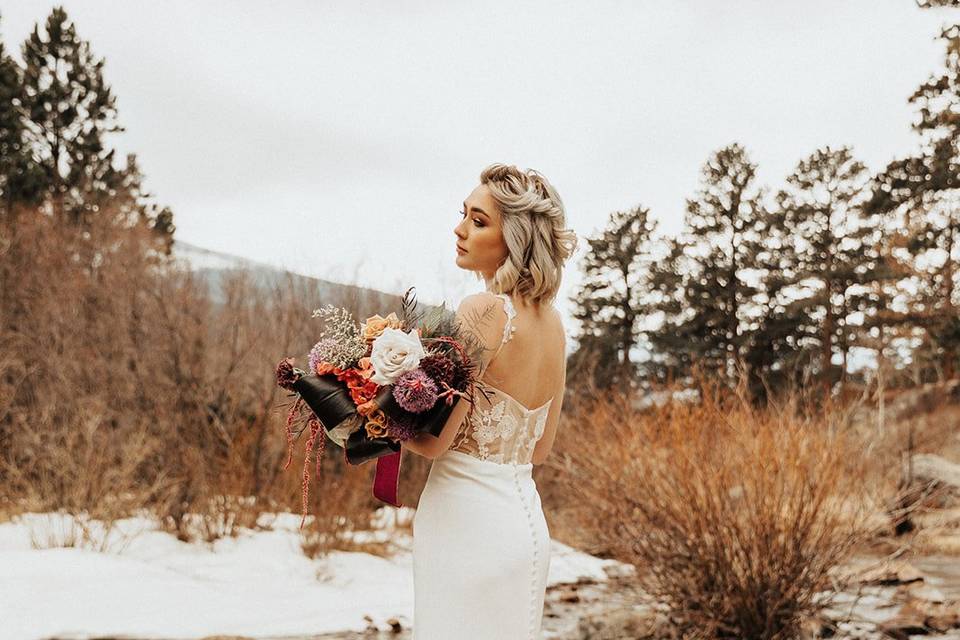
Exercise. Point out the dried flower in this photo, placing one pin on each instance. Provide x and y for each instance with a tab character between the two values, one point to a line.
322	352
400	428
415	391
376	424
460	379
316	430
348	345
287	374
439	367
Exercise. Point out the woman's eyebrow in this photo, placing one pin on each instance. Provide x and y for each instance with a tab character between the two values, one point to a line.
478	209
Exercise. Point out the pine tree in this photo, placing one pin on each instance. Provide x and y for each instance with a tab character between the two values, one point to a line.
710	282
614	295
933	4
922	192
18	174
828	261
891	326
133	205
671	350
70	110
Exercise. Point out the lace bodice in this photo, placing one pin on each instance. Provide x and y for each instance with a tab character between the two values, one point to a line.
502	429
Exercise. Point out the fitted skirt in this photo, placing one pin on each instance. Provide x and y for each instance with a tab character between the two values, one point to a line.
481	552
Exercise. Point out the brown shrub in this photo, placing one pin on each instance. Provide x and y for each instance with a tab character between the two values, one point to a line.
736	517
125	383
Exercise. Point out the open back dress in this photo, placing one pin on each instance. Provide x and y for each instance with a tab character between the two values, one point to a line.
481	546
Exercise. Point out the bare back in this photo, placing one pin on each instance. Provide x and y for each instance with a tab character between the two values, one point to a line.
525	366
530	364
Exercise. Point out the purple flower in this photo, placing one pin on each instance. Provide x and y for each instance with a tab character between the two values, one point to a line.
401	428
415	391
321	352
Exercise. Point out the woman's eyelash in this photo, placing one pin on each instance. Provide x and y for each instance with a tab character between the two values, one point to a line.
475	219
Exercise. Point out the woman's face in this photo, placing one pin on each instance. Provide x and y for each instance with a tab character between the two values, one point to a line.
480	243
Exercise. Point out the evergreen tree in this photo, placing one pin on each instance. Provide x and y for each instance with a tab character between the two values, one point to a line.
671	350
70	110
828	261
709	284
133	206
614	296
922	193
18	175
933	4
890	329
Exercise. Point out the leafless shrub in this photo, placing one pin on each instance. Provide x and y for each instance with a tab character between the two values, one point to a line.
125	383
737	517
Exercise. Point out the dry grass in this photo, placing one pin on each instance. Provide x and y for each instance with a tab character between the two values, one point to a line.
124	385
737	517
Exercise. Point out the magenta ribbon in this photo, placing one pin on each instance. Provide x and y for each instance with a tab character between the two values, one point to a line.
387	478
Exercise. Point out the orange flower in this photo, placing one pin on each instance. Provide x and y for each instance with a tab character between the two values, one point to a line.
366	408
376	424
323	368
361	389
374	326
366	367
364	393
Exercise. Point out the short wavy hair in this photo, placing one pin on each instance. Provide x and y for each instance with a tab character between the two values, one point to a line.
534	227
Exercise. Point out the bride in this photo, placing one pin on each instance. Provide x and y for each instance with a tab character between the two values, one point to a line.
481	547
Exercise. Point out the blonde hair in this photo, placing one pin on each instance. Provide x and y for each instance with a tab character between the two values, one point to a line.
533	221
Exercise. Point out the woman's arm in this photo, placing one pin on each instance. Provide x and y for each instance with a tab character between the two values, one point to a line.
430	446
420	445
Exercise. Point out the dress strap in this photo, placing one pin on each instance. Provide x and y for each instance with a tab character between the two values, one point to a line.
508	328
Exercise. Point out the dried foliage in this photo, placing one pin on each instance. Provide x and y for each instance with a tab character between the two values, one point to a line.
736	517
127	382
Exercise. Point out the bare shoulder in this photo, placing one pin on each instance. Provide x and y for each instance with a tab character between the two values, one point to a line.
482	314
477	308
477	300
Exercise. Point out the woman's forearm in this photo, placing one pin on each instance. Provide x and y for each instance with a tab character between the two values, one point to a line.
422	444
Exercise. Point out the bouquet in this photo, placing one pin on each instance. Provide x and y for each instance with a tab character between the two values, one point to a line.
371	386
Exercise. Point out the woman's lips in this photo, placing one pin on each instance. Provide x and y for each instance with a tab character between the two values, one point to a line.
461	249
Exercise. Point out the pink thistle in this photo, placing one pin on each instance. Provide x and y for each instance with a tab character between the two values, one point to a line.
415	391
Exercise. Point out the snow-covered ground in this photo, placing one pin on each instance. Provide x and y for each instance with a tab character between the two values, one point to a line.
146	584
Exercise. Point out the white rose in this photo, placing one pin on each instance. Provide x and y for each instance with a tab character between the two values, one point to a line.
394	353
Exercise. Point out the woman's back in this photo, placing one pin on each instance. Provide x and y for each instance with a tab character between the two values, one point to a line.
530	364
523	374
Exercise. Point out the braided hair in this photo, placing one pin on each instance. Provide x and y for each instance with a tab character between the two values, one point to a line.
534	228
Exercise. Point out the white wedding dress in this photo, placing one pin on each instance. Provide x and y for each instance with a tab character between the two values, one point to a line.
481	546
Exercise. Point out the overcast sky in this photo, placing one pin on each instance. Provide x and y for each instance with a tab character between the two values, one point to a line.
339	139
